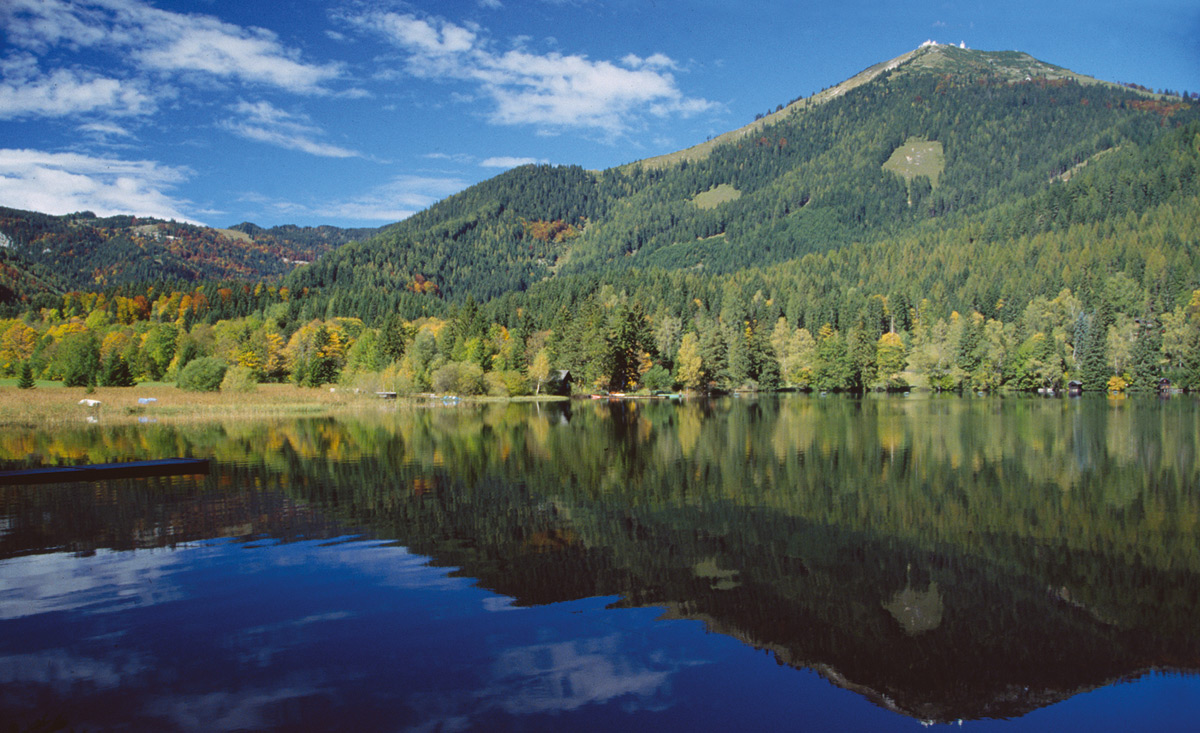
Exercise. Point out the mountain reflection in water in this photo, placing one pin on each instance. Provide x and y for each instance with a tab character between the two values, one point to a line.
944	558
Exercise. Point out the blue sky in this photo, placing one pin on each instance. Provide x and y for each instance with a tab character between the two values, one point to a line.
361	112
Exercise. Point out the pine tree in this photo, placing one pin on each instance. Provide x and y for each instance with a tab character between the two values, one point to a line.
394	338
114	372
322	368
1145	359
25	381
860	345
969	352
739	361
80	360
765	362
1090	357
712	355
628	337
835	369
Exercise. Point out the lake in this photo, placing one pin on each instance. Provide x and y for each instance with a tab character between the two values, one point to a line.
793	562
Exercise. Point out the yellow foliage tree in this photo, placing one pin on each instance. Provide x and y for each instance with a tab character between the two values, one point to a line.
540	369
16	346
890	356
689	364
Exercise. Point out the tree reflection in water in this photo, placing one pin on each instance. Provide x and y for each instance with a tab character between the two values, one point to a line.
946	558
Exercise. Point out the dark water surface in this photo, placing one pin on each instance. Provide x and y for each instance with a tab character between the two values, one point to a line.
760	564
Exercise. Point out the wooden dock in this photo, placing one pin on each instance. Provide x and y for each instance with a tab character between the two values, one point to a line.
105	471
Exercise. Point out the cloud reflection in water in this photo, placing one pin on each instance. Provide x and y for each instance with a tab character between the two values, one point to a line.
225	635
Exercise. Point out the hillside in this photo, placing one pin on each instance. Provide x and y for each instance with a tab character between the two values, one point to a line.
44	253
1003	131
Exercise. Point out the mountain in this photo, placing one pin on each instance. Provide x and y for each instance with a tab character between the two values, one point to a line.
44	253
939	145
971	180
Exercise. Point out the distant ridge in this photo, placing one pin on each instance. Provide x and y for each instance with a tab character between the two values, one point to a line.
47	253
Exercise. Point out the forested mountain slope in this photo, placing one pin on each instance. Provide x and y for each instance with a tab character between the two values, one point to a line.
44	253
942	144
1125	227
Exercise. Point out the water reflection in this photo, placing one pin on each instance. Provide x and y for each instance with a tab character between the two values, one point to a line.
945	558
104	581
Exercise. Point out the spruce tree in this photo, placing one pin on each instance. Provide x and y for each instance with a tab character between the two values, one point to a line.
25	380
1145	361
114	372
628	337
970	348
394	338
739	362
1090	353
80	360
713	352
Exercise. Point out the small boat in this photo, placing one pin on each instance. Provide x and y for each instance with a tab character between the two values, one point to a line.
103	471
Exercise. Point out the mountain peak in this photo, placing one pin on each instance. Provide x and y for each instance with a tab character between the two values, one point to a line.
930	57
1009	65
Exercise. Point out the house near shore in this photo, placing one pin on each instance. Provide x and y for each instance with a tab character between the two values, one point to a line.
558	382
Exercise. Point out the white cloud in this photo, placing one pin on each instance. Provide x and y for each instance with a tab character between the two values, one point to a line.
462	158
548	90
252	55
40	24
62	183
266	123
27	92
655	61
510	162
491	4
105	130
163	41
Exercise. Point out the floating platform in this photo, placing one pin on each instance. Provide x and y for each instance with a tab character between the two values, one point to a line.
105	471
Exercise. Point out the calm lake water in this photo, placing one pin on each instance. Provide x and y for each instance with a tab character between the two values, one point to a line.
759	564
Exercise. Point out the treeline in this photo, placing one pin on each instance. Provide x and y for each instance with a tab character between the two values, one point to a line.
608	340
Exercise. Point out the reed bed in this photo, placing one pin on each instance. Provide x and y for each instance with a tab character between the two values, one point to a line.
51	404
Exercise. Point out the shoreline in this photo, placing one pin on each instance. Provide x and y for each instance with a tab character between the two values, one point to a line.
53	405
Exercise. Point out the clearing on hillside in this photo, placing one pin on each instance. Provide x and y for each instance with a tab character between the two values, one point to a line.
714	197
1066	175
236	234
917	157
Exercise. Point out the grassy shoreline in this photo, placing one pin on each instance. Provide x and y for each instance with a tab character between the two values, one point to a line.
50	404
